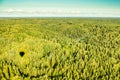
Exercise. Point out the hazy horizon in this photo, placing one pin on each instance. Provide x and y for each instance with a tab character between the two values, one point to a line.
61	8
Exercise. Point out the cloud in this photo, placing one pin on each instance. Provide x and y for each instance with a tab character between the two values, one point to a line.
55	12
13	10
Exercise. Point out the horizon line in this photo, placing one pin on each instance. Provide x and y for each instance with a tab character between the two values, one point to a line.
57	17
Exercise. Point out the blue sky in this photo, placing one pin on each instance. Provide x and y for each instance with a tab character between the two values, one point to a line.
59	8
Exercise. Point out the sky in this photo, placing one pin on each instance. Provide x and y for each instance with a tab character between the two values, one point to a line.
59	8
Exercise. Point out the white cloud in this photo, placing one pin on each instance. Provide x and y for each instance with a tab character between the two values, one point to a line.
13	10
55	12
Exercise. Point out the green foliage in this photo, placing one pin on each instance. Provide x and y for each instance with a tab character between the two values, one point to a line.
60	49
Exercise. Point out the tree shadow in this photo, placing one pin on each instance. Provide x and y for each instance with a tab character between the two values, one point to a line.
22	53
